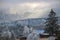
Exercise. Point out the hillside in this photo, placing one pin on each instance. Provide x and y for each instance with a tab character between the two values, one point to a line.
37	23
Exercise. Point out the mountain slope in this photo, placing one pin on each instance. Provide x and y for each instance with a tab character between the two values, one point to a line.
37	23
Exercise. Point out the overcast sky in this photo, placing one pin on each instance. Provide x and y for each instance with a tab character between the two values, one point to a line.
23	9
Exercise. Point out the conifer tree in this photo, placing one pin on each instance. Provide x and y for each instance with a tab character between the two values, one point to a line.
52	23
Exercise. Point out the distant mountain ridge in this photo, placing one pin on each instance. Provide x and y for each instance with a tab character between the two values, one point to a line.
31	22
34	22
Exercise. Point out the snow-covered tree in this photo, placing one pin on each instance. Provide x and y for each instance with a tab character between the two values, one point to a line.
51	23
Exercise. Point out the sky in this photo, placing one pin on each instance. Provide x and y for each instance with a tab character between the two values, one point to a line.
24	9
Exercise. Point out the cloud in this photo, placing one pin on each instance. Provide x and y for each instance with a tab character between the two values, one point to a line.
23	9
25	1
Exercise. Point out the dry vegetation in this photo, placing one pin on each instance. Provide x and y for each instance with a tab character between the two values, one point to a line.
43	38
